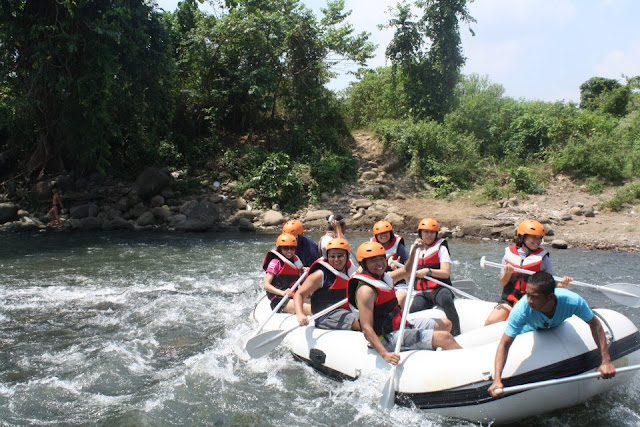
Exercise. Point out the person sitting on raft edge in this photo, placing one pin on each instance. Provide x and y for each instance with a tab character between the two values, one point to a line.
545	307
525	253
372	295
283	268
393	244
327	285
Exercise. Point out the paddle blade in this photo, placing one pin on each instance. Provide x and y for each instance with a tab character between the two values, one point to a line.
388	398
239	347
623	293
465	284
264	343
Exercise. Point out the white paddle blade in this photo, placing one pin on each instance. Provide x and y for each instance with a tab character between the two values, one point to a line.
623	293
465	284
388	398
239	347
263	344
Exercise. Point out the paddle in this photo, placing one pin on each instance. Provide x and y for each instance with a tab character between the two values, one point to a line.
264	343
464	284
240	346
389	390
456	290
623	293
546	383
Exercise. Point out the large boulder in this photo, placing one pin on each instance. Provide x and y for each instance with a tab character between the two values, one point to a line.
147	218
84	211
272	218
162	214
190	224
91	223
205	211
152	181
8	212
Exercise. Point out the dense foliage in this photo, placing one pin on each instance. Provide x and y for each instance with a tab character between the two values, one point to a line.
116	85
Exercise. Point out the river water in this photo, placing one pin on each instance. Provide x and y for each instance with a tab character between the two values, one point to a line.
137	329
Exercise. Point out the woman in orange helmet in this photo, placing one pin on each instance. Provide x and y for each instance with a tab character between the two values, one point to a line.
283	268
395	251
307	250
435	262
525	253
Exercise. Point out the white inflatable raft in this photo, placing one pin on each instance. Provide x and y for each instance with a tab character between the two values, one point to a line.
454	383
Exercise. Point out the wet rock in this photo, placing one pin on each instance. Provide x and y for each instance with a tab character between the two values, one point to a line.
162	214
152	181
193	225
120	224
204	211
272	218
320	214
91	223
84	211
8	212
156	201
145	219
245	225
559	244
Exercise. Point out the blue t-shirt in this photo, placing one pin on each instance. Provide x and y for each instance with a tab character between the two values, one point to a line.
523	319
307	250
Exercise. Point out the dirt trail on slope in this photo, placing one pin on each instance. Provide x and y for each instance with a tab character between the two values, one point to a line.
390	194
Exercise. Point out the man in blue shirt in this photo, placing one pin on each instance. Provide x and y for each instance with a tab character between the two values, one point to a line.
547	307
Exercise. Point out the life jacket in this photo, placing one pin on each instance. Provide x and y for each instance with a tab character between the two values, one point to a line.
392	249
431	259
517	285
290	273
334	287
387	313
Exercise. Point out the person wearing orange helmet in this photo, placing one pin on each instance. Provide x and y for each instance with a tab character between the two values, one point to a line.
435	262
283	268
396	251
307	249
526	253
372	295
327	285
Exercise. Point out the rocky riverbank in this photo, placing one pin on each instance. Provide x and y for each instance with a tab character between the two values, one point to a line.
153	202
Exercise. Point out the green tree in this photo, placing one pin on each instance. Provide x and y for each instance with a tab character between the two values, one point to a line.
88	81
426	54
607	95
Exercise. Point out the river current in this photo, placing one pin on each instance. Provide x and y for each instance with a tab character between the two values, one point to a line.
137	329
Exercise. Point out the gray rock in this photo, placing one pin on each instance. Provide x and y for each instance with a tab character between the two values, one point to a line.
250	194
394	219
241	203
544	220
589	213
576	210
156	201
216	198
84	211
320	214
566	217
361	203
8	212
22	213
137	210
369	175
272	218
161	214
559	244
91	223
373	190
176	219
548	231
120	224
204	211
245	225
147	218
152	181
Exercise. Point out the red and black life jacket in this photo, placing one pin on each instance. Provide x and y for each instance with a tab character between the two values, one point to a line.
387	313
431	259
517	285
391	248
334	286
287	277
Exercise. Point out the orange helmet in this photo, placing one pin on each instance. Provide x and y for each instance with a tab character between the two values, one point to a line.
369	250
382	227
286	239
530	226
293	227
339	243
428	224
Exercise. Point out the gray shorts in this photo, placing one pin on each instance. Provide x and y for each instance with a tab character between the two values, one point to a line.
419	337
402	286
337	319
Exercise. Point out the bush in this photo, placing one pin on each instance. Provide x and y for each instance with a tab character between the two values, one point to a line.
592	157
624	196
277	182
524	179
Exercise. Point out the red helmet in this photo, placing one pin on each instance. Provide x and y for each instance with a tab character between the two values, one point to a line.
530	226
286	239
369	250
